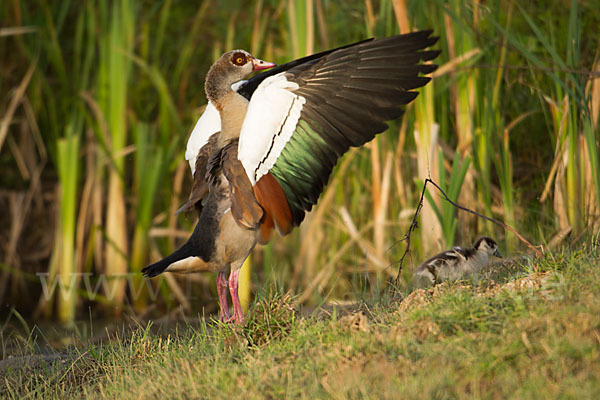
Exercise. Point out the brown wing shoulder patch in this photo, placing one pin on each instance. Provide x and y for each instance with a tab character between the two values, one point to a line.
244	206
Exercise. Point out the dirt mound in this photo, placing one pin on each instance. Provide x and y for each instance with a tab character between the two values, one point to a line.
422	297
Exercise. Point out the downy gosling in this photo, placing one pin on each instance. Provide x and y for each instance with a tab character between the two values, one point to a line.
456	263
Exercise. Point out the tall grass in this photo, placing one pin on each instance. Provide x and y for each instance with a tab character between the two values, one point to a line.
113	82
114	88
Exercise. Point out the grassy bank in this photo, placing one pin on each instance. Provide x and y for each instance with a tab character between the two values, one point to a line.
531	330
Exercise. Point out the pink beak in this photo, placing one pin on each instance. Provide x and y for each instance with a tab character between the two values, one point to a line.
260	64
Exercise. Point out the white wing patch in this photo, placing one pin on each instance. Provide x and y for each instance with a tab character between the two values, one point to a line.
208	124
272	116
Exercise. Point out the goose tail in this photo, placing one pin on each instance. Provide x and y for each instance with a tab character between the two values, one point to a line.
159	267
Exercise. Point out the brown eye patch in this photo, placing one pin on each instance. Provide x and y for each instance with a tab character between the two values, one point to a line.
239	59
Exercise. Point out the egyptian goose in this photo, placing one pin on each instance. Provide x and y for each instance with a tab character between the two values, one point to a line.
456	263
264	148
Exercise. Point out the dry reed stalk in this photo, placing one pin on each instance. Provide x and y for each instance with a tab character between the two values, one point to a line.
176	201
559	202
258	27
46	303
98	215
369	17
322	23
15	101
426	139
310	28
36	135
569	202
575	201
17	219
312	234
591	208
560	143
116	248
401	198
322	277
376	181
18	157
172	283
455	62
171	233
177	292
559	237
367	248
36	167
401	14
593	95
379	218
291	10
17	30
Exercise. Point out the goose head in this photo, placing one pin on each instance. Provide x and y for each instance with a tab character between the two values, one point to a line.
230	68
488	246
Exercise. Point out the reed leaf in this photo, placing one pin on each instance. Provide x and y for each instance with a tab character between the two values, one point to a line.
148	167
68	154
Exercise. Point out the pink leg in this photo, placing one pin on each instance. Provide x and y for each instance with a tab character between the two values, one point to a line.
238	315
222	292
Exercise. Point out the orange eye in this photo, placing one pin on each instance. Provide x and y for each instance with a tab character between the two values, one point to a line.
239	60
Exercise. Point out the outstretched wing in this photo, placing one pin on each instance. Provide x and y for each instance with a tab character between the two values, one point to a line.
300	120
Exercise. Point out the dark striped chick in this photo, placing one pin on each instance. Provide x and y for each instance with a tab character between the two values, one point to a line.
456	263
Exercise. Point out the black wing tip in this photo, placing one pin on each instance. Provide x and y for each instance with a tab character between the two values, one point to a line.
426	69
429	55
426	34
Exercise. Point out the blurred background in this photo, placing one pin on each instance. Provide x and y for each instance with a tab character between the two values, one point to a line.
97	99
